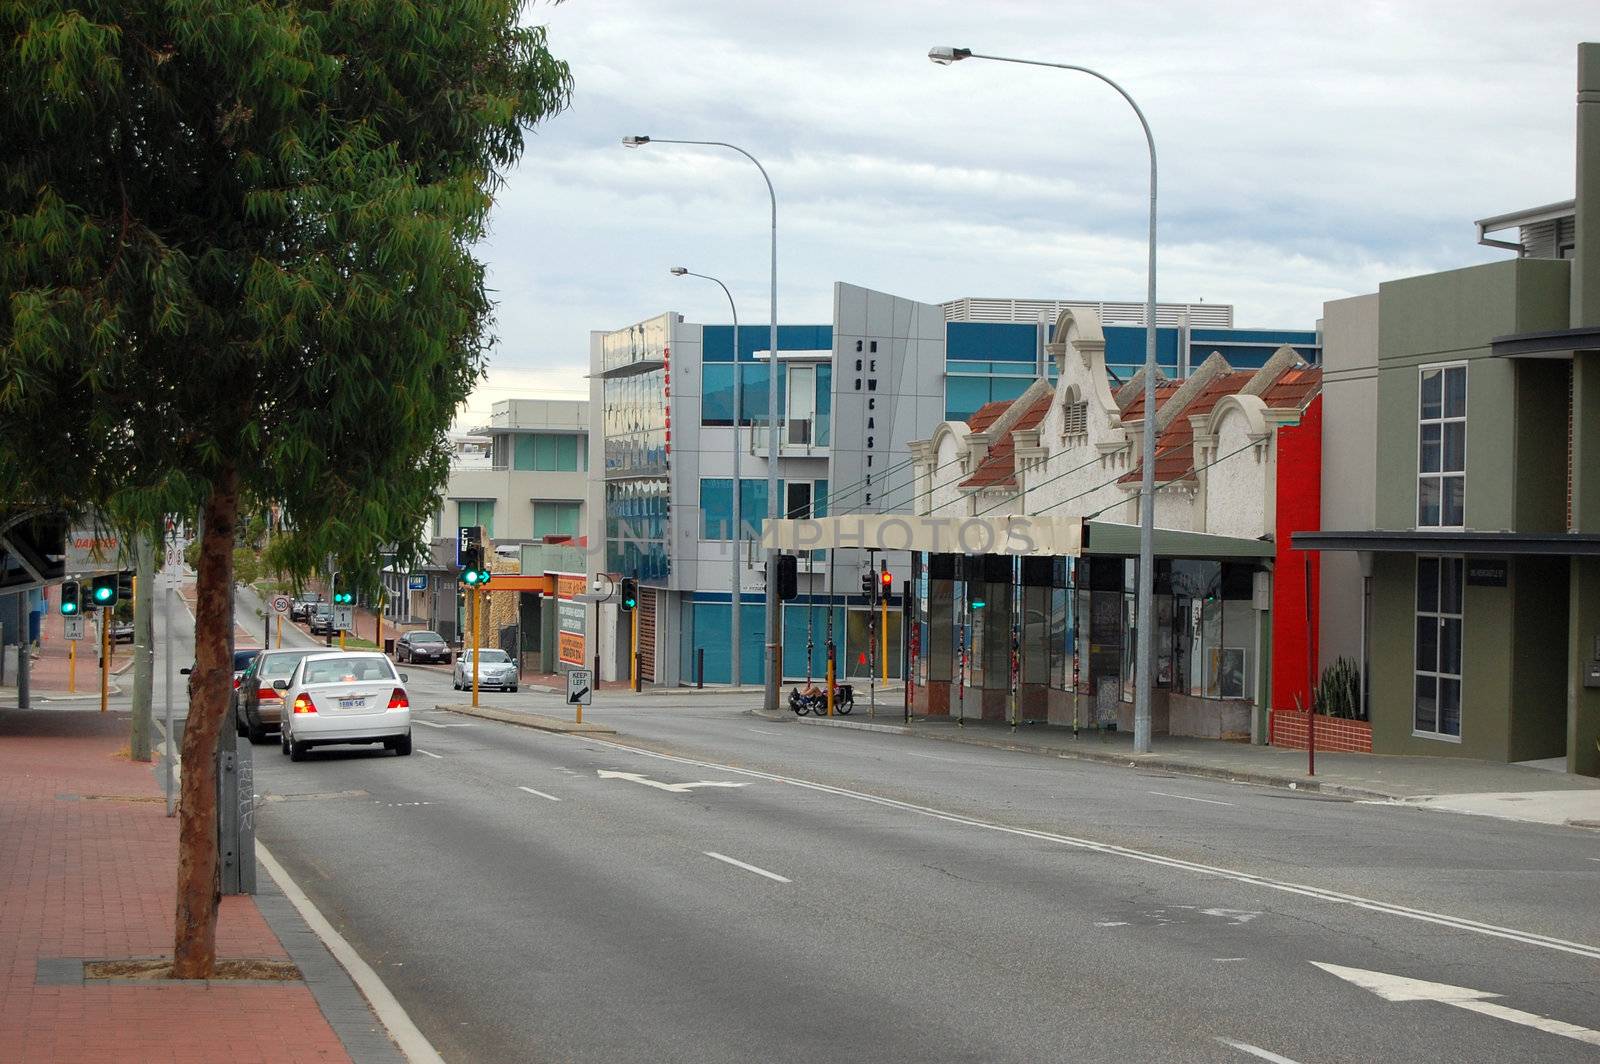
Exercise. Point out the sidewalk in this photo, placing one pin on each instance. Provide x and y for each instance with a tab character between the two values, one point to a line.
51	666
89	861
1454	784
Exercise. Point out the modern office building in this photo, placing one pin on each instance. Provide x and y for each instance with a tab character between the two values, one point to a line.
1462	515
854	394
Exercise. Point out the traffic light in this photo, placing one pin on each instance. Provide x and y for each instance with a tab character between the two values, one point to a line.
69	598
103	590
473	572
125	586
340	597
788	584
866	584
885	584
630	594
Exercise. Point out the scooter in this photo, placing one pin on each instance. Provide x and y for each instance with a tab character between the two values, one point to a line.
844	700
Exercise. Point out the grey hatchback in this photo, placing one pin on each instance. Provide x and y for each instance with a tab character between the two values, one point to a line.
261	704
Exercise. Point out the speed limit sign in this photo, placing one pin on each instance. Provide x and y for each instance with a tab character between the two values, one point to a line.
279	604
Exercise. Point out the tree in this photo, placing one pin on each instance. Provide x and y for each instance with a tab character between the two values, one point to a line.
236	244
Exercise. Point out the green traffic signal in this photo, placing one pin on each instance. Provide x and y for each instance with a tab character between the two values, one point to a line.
103	590
69	598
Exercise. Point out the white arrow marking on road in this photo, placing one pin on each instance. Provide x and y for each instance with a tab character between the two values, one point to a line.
725	859
434	724
1400	988
430	753
675	788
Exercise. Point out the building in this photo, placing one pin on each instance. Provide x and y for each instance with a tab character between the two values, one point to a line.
523	478
1464	526
1033	635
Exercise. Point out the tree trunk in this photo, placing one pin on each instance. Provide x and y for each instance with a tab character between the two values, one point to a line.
194	948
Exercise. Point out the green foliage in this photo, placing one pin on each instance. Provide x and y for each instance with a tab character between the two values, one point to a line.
238	236
246	566
1339	690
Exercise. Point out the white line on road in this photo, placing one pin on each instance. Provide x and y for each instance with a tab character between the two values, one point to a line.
1187	798
430	753
1256	1051
436	724
1459	923
725	859
541	794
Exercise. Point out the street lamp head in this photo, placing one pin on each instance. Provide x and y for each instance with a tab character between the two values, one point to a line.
635	142
944	55
679	271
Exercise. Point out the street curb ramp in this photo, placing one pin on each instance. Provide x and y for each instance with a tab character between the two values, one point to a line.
526	720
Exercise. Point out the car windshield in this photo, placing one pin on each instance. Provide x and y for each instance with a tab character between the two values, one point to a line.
348	669
491	657
278	666
426	637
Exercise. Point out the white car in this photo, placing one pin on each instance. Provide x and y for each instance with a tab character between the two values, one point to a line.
333	698
495	669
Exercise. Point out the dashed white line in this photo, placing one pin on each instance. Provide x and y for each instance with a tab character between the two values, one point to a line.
1188	798
725	859
1256	1051
1459	923
541	794
430	753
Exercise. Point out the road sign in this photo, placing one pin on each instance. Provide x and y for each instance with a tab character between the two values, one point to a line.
73	627
279	603
580	687
417	582
344	618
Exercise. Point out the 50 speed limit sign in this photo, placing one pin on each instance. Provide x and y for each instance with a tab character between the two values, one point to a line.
279	604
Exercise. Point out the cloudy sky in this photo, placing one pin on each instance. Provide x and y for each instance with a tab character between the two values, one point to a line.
1307	152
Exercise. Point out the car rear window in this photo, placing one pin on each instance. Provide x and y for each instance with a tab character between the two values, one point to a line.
347	670
278	666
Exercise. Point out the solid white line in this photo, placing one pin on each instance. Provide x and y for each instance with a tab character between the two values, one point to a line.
412	1042
430	753
1256	1051
1187	798
541	794
1459	923
747	867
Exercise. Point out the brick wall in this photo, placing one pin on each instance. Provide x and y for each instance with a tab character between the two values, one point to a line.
1287	728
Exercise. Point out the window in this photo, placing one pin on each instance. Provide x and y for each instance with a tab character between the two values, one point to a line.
1437	711
545	453
1075	418
477	512
1442	447
716	508
555	519
716	393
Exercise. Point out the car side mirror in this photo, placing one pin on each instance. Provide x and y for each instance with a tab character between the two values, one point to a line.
404	678
184	672
280	685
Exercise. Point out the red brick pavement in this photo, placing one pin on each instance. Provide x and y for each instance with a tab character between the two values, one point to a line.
93	877
51	659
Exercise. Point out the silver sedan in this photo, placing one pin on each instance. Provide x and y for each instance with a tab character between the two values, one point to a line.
495	669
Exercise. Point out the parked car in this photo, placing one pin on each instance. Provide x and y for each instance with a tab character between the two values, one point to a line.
300	608
321	619
241	662
259	705
122	631
495	669
420	647
334	698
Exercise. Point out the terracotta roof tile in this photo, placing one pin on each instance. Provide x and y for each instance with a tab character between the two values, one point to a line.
999	466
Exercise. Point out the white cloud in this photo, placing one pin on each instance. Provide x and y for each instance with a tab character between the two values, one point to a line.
1307	152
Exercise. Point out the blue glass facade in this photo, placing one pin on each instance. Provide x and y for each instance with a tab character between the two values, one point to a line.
707	625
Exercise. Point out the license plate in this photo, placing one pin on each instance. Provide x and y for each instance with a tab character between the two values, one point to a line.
352	703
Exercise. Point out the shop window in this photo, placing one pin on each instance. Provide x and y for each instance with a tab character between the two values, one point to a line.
1437	708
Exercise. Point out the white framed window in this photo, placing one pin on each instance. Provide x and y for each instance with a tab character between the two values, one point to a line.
1442	446
1436	710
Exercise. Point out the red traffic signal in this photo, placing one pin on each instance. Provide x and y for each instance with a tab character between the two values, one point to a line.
886	581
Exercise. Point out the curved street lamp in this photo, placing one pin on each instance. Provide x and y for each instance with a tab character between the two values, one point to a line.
944	56
774	624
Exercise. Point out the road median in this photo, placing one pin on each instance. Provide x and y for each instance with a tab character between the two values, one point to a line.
526	720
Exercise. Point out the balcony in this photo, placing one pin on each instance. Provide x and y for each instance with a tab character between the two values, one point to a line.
797	437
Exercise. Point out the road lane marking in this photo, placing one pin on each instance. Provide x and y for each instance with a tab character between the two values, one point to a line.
725	859
675	788
430	753
1188	798
1257	1051
1459	923
436	724
1400	988
541	794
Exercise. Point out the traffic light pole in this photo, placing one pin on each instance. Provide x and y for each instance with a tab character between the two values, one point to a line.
105	657
477	608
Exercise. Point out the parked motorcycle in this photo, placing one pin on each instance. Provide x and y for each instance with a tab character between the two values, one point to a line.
844	700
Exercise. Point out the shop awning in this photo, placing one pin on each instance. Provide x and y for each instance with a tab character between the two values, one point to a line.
1048	537
1564	544
1109	537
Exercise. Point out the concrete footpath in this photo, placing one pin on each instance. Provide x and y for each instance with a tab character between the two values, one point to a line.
1511	792
88	863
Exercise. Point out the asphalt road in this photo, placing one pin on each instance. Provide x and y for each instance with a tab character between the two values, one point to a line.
843	896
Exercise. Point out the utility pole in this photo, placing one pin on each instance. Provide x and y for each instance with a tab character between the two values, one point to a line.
143	647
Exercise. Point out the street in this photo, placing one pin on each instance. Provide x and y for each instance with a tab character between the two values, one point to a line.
715	886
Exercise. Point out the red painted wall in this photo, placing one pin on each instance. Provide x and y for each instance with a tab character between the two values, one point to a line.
1299	510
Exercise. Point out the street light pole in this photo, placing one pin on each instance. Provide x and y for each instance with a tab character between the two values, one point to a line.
738	510
774	627
1145	677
